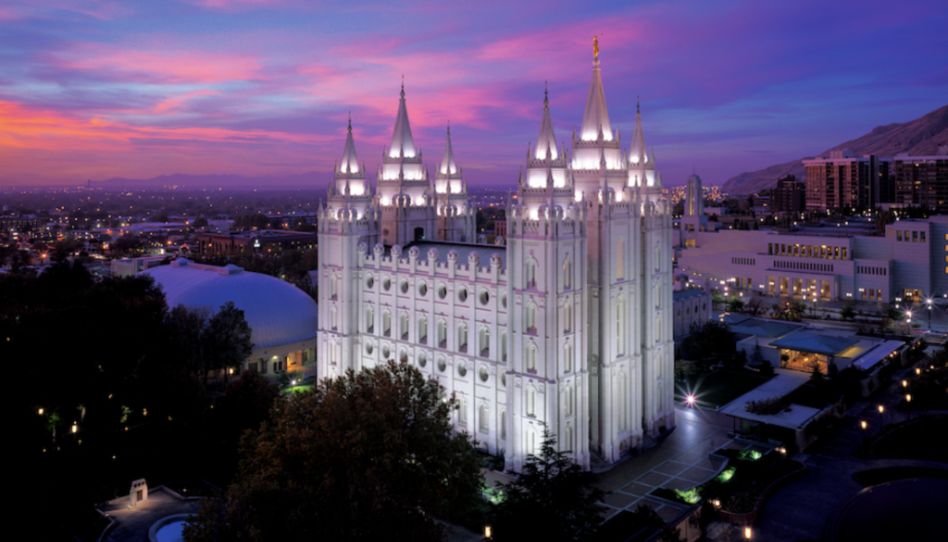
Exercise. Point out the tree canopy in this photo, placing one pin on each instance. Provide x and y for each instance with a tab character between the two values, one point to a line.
551	499
366	456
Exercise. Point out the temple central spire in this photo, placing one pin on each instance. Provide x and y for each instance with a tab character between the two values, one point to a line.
596	125
403	145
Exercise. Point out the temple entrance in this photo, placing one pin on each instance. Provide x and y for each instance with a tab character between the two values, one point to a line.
419	234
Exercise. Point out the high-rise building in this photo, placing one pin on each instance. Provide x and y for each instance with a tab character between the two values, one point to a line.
922	181
788	196
567	328
843	181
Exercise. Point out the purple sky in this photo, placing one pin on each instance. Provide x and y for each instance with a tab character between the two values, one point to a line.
102	88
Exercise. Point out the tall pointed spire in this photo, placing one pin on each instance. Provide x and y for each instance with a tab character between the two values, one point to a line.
596	123
403	145
350	162
448	166
546	143
638	155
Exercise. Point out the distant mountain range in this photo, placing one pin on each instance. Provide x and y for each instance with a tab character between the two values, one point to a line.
310	179
921	136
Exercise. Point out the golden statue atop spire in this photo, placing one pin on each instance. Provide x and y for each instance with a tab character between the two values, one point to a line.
596	48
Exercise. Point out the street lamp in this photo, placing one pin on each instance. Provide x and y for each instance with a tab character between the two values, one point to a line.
748	532
881	409
863	424
928	302
691	400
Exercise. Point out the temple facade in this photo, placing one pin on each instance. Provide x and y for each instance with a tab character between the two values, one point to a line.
566	327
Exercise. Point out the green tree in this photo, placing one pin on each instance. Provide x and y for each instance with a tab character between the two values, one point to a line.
366	456
551	499
710	342
225	340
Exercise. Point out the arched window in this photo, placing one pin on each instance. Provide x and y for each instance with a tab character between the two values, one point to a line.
567	273
568	356
462	338
442	334
530	359
530	273
502	421
620	327
387	323
503	347
333	319
403	326
566	316
369	320
620	259
483	342
423	330
462	413
530	407
483	419
530	317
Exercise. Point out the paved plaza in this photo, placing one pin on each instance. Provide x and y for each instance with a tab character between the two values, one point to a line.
681	461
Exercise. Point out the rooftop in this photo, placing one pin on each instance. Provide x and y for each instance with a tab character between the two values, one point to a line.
781	385
759	327
819	343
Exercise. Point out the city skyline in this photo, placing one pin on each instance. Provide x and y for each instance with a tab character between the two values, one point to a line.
103	89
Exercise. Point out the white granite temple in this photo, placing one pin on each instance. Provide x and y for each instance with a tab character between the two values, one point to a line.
567	326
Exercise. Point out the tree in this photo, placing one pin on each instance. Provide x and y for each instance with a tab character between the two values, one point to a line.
735	305
847	312
551	499
712	341
366	456
225	340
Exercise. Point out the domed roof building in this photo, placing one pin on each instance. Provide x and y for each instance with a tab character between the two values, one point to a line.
282	317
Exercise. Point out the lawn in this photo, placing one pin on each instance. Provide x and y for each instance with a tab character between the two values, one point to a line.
719	387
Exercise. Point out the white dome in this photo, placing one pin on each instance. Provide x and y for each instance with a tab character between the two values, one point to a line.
278	312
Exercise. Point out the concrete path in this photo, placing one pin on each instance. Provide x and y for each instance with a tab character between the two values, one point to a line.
681	461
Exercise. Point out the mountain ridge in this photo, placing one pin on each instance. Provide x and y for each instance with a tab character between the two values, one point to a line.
918	137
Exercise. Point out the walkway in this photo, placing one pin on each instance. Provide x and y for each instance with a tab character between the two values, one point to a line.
681	461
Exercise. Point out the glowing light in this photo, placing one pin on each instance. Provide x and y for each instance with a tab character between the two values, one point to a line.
904	383
691	400
881	409
748	532
40	411
75	428
908	397
863	424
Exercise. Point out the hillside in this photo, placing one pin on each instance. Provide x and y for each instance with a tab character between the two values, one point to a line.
920	136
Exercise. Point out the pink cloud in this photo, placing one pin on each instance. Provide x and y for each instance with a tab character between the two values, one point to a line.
164	66
174	102
233	5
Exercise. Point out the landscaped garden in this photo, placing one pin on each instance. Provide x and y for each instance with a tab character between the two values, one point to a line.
741	486
711	370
